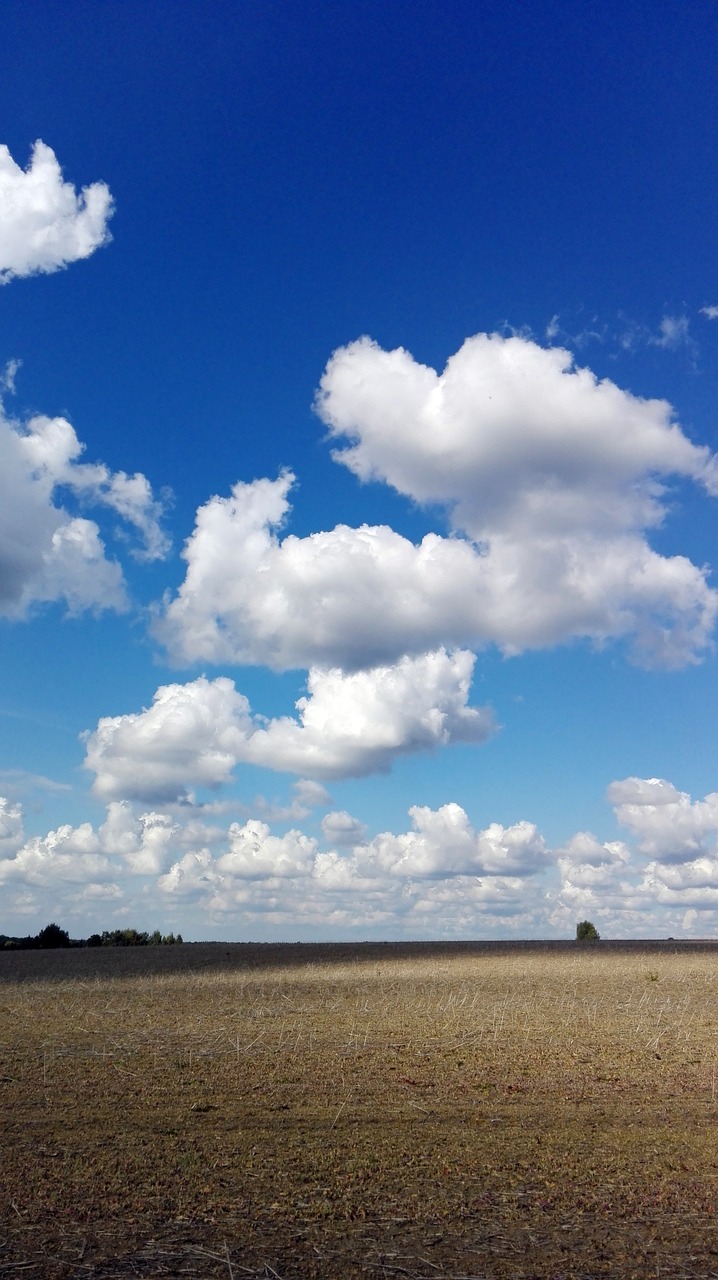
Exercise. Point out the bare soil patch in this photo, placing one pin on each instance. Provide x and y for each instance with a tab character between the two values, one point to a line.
417	1111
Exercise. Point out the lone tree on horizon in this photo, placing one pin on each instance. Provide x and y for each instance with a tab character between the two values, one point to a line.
587	932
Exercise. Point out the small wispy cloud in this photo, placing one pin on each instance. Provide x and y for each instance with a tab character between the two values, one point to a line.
552	328
7	377
22	780
673	333
711	313
579	336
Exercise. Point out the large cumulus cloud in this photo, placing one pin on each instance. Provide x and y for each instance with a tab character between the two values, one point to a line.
195	734
552	479
510	436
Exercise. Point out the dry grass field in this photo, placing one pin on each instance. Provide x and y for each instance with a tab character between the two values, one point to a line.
329	1112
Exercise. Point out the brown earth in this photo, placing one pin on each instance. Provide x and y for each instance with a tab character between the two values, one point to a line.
376	1111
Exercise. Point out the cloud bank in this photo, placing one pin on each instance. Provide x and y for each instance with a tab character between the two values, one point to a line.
441	877
44	223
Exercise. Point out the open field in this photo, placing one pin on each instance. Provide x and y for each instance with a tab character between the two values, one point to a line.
340	1112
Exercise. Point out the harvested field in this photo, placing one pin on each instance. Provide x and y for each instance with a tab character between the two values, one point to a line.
343	1112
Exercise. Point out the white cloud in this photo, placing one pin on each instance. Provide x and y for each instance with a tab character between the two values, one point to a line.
194	734
8	375
44	223
46	552
355	724
674	332
341	828
553	476
124	845
255	854
511	437
76	570
443	877
553	328
144	843
669	826
190	878
310	794
11	827
688	884
69	855
711	313
442	843
52	450
585	863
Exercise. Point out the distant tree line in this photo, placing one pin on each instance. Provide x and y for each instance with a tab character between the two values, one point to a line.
53	936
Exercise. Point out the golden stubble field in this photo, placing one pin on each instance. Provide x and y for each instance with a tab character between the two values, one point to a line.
338	1113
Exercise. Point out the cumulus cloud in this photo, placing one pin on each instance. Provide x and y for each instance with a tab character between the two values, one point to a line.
586	861
48	553
11	827
356	724
688	885
52	449
711	313
124	845
191	878
668	824
443	843
192	735
310	794
255	854
144	843
552	478
511	436
441	877
44	222
195	734
69	855
339	827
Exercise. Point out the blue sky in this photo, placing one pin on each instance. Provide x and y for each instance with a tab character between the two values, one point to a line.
364	357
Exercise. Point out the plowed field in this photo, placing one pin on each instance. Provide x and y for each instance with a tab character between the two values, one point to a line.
359	1112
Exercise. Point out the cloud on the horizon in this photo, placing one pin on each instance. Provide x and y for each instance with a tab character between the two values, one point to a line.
553	481
195	734
44	223
441	877
48	553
